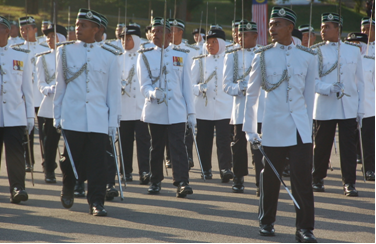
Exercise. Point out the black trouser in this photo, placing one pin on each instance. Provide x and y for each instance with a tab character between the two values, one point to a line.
257	158
323	147
12	138
205	135
179	160
31	136
239	151
50	144
300	177
368	139
110	162
128	129
88	152
188	143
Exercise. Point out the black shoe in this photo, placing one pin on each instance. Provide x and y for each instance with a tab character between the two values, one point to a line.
183	189
28	167
154	188
128	177
190	163
97	209
79	189
49	177
304	235
144	178
208	175
111	193
226	175
18	195
168	164
266	230
370	175
238	184
286	171
318	185
67	197
349	190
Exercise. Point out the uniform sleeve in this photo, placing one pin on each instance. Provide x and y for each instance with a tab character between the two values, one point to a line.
252	97
27	87
195	71
113	100
359	79
309	90
146	85
187	87
42	85
229	86
321	87
60	86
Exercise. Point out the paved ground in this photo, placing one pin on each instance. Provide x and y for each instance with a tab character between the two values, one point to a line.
212	214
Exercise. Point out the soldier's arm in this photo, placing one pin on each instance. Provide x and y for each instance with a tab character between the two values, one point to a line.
27	88
187	87
146	85
114	92
60	86
195	71
309	91
360	83
229	86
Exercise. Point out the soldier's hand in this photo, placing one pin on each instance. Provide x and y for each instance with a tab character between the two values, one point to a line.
191	120
242	86
157	94
203	87
57	124
30	124
253	138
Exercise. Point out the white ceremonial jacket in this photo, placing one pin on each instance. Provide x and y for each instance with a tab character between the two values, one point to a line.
371	49
369	85
15	78
15	40
231	87
286	110
215	104
46	107
176	83
34	48
327	106
193	51
132	100
117	43
146	44
90	102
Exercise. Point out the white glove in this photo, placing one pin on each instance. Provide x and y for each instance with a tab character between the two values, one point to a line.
30	124
48	90
359	119
57	124
112	132
253	137
157	94
52	90
203	87
336	87
191	120
242	86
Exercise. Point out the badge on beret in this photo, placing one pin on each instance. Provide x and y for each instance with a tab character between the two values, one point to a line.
249	26
210	32
330	17
89	15
281	12
175	22
49	27
162	20
31	20
217	26
353	36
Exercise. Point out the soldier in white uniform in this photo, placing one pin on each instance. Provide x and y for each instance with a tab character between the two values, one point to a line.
213	106
116	43
368	127
332	107
149	36
167	107
45	68
28	30
131	108
198	36
86	107
14	37
236	86
287	73
15	113
365	28
42	39
235	33
304	29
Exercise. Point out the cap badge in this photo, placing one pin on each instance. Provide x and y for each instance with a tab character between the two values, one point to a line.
330	17
175	22
282	12
89	15
30	20
162	21
249	26
353	36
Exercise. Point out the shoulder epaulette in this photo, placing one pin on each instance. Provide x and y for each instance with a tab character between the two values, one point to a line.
233	50
114	46
21	49
144	43
259	46
262	49
110	40
181	50
110	50
227	46
318	45
17	45
353	44
145	50
370	57
193	47
40	54
44	44
200	56
306	49
65	43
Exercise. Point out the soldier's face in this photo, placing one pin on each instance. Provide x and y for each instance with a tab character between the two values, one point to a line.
365	30
329	32
4	33
235	34
157	33
280	30
250	39
118	31
51	40
197	37
128	44
14	30
86	30
28	32
306	37
213	46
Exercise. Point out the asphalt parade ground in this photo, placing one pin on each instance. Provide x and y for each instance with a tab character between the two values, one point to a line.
212	214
